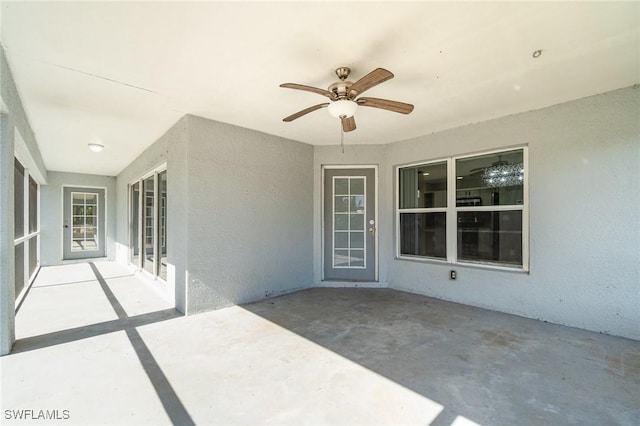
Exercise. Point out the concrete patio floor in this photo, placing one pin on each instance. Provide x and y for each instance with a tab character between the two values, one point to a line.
97	345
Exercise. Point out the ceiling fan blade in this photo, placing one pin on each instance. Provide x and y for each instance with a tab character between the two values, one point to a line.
304	111
394	106
322	92
348	123
375	77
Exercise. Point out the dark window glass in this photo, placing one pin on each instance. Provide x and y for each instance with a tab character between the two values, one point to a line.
490	236
19	259
18	197
33	205
423	234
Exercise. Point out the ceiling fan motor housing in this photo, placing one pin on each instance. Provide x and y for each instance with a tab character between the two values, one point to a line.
341	89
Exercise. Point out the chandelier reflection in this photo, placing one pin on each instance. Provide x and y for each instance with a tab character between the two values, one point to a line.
504	174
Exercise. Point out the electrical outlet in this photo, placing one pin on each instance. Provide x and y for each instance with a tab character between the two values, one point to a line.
452	275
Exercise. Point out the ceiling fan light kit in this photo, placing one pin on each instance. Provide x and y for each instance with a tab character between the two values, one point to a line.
342	108
344	100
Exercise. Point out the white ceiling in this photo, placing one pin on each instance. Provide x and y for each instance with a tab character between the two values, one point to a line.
123	73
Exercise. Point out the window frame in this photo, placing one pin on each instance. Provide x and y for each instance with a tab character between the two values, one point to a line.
29	206
451	211
156	212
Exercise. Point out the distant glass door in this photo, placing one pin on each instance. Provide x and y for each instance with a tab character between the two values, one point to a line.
148	225
148	219
84	223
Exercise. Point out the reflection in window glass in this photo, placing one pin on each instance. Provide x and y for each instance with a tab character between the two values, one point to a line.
490	180
33	205
148	223
423	186
348	222
162	189
84	231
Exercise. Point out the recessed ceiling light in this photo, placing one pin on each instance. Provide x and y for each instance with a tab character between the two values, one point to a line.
96	147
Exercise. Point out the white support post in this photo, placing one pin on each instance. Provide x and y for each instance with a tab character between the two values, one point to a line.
7	250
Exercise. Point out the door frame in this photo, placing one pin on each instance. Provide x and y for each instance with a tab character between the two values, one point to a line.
106	222
375	214
155	275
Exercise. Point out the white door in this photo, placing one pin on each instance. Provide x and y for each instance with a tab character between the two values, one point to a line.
350	224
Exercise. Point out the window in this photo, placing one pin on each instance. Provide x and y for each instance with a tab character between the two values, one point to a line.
26	230
469	209
423	207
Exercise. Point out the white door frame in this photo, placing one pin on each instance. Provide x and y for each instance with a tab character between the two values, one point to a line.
106	222
375	213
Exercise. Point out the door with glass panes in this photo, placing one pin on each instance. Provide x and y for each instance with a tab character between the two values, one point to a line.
84	222
148	225
349	224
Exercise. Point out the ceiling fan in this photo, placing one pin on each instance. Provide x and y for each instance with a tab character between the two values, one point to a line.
344	100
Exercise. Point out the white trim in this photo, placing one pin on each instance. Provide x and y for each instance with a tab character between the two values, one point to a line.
157	169
525	210
451	227
452	212
106	215
22	153
26	239
348	230
157	255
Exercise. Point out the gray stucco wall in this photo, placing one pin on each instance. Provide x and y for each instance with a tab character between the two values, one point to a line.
245	221
240	213
250	217
584	162
51	219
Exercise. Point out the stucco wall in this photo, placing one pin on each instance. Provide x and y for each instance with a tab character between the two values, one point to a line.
169	149
249	217
51	219
584	171
239	213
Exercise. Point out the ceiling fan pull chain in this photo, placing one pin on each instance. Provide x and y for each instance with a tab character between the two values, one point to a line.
342	138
